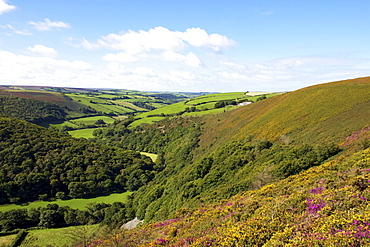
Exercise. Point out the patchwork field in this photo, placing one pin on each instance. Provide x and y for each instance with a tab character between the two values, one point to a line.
199	106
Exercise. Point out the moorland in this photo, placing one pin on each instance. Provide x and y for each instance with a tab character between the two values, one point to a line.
230	169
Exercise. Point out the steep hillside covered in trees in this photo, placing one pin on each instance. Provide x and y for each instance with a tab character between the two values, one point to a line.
39	163
31	110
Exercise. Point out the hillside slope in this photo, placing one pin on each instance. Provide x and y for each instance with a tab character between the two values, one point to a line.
320	113
324	206
249	147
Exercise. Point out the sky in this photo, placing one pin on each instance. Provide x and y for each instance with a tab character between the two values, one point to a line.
184	46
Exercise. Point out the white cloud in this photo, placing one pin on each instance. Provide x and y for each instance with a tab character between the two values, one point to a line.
144	71
48	25
200	38
27	70
160	38
278	75
120	57
4	7
190	59
43	51
233	75
157	43
21	32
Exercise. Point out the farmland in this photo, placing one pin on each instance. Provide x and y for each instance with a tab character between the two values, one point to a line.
90	109
73	203
60	236
200	106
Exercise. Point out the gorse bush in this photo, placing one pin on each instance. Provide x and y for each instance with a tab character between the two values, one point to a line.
324	206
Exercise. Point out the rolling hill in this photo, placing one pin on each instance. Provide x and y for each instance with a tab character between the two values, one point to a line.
286	171
216	156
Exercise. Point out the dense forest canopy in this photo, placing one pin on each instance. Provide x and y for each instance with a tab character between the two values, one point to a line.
35	111
39	163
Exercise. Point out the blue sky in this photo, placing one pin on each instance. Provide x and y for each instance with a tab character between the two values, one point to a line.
171	45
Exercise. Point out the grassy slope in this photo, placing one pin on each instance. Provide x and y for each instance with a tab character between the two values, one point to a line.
92	120
60	236
82	133
321	113
297	115
73	203
324	206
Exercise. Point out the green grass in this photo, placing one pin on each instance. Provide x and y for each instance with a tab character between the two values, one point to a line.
6	240
152	156
73	203
98	104
170	109
65	123
66	236
129	105
216	97
92	120
147	120
212	111
82	133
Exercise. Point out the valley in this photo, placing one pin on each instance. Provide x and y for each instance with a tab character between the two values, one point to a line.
201	169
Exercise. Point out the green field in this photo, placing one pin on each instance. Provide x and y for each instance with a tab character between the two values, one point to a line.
148	120
66	236
170	109
73	203
61	125
152	156
102	105
6	240
216	97
204	105
82	133
92	120
129	105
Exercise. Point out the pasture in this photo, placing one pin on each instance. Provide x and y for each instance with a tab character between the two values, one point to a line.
61	125
147	120
82	133
6	240
152	156
92	120
73	203
65	236
204	105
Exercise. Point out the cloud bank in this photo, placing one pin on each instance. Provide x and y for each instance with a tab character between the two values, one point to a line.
158	43
42	50
4	7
